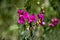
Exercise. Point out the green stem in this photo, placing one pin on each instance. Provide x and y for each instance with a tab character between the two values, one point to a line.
18	35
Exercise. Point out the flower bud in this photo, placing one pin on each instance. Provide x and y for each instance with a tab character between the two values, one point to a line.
42	23
51	25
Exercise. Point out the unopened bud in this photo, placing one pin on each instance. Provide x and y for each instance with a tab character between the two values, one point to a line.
42	8
27	28
43	11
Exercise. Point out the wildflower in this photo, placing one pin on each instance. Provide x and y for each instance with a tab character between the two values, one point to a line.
21	20
41	16
20	12
32	18
55	21
26	15
51	25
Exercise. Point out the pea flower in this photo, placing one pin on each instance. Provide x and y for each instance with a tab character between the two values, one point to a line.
51	25
55	21
41	16
32	18
21	20
26	15
20	12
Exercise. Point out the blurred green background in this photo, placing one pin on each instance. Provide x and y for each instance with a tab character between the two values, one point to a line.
8	17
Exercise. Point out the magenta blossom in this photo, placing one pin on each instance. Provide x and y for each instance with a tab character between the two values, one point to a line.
51	25
21	20
41	16
20	12
55	21
26	15
32	18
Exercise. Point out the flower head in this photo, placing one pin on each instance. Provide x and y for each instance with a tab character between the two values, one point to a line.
55	21
26	15
41	16
20	12
32	18
21	20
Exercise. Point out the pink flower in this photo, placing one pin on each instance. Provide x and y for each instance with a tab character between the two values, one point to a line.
20	12
26	15
51	25
32	18
23	16
21	20
41	16
55	21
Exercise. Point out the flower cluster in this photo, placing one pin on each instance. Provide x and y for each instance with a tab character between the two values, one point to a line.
54	22
25	16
